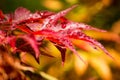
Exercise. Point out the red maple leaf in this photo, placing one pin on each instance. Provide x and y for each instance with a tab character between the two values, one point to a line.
46	25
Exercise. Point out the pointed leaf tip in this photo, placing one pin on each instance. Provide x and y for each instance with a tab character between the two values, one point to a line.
69	45
81	36
64	12
107	53
53	18
62	51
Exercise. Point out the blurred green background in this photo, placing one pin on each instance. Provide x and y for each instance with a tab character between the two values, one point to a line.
104	14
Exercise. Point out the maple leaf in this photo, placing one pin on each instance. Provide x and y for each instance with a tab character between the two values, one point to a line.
47	25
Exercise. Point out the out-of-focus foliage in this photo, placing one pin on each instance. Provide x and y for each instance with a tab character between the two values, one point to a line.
98	13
